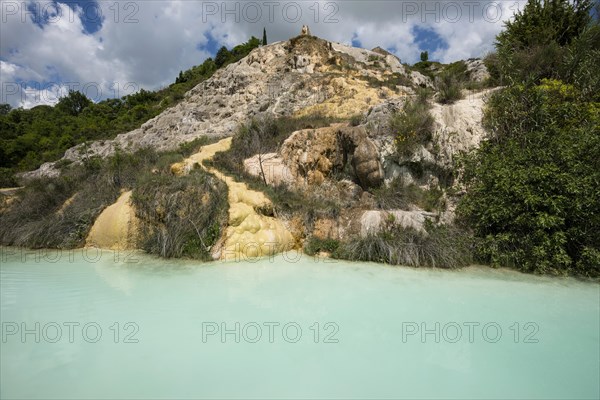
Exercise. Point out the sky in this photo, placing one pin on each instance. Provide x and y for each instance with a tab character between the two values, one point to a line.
111	48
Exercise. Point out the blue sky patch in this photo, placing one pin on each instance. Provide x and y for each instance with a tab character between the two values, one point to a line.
212	46
428	39
92	15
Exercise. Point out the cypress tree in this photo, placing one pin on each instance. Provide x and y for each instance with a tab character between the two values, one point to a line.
264	41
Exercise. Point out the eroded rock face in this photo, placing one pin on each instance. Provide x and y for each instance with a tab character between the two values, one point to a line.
478	72
374	221
313	155
367	167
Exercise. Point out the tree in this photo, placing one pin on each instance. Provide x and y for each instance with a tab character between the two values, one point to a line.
424	56
534	44
264	41
180	78
545	21
5	109
73	103
222	57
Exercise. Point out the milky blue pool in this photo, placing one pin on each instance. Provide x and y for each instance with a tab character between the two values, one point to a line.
77	326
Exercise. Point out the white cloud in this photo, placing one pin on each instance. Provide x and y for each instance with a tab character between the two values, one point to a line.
148	43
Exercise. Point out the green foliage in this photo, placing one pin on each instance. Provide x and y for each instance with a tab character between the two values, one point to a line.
441	247
424	56
356	120
396	196
492	63
315	245
532	189
580	63
449	87
533	46
222	57
264	39
545	21
412	126
73	103
532	193
5	109
225	57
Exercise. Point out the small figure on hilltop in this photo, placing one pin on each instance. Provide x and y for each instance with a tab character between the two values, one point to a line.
305	31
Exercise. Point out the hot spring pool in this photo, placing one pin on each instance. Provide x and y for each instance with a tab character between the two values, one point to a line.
79	326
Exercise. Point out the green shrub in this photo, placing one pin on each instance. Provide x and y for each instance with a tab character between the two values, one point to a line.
396	196
532	191
412	126
315	245
449	87
532	46
355	120
492	63
7	178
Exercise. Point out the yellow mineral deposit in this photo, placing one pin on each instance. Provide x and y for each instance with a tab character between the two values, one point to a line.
114	229
249	232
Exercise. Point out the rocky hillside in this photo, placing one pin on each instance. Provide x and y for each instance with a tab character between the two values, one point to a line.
386	157
304	75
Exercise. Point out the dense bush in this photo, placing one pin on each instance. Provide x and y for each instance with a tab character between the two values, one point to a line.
449	87
533	46
533	189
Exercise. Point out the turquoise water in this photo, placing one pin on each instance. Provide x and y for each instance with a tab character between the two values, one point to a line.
139	327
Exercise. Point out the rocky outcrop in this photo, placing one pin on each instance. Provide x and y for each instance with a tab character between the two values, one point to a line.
374	221
310	156
457	128
477	70
366	164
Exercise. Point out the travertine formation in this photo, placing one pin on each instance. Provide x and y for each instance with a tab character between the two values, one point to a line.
252	231
115	227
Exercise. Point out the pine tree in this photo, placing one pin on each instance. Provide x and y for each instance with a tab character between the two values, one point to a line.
264	41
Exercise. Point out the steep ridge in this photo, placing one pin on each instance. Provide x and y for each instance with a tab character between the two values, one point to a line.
303	75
